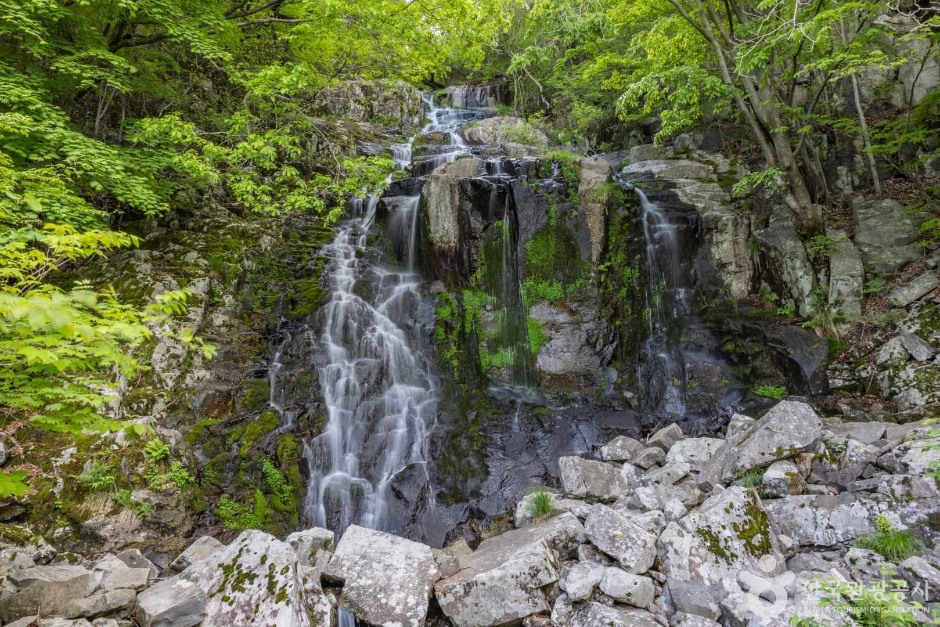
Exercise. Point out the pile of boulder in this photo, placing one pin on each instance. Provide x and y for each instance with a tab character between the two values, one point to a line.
672	532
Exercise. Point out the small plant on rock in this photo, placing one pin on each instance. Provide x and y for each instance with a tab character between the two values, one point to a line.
890	542
881	603
776	392
157	450
541	504
751	478
99	477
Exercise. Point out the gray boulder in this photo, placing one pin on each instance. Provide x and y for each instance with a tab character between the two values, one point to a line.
886	235
386	579
126	579
738	426
667	475
41	590
622	539
649	457
693	451
257	579
584	478
681	619
621	449
628	588
781	479
922	577
116	601
729	532
582	579
174	602
819	521
789	428
915	289
694	597
502	130
666	437
201	548
840	461
133	558
597	615
503	579
670	169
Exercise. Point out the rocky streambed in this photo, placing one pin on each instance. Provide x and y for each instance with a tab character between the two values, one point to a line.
671	531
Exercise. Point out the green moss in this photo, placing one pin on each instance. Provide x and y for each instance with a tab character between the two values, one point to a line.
257	393
754	530
536	334
714	545
264	424
775	392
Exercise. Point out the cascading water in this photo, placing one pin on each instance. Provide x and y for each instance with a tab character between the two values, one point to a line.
661	365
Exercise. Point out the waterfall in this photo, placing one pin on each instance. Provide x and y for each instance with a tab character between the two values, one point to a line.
380	397
662	367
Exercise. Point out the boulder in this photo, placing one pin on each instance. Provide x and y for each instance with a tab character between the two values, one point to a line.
922	577
729	532
523	515
670	170
126	579
257	579
738	426
622	539
621	449
915	346
868	432
786	266
386	580
693	597
846	276
693	451
42	590
840	461
568	360
818	520
115	601
598	615
657	496
781	479
201	548
648	457
174	602
628	588
681	619
787	429
503	130
915	289
503	579
582	579
885	234
666	437
584	478
312	545
133	558
667	475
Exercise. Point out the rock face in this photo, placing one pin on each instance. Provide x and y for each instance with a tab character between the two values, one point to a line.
584	478
477	96
787	267
395	102
567	360
503	579
846	276
885	234
386	579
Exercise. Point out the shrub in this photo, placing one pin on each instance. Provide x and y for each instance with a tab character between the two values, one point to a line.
890	542
541	504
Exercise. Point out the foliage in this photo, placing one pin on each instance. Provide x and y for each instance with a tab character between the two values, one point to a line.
880	603
236	516
140	509
540	506
157	450
175	477
751	478
894	544
276	481
776	392
100	477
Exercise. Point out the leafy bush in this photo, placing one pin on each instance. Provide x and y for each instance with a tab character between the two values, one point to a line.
236	516
541	504
894	544
175	477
